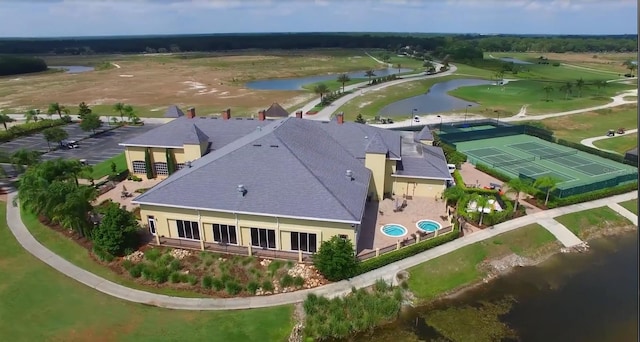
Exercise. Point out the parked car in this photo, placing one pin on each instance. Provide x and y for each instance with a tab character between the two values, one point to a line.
611	133
70	144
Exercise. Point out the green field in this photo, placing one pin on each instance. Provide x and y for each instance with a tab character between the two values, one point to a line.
104	168
584	223
462	266
592	124
631	205
607	62
620	144
40	304
510	98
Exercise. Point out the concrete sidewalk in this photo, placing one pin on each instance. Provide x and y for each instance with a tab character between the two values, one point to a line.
341	288
562	233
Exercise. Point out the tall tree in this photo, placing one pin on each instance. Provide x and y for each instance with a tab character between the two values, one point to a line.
370	74
147	164
344	78
579	86
83	110
57	108
56	134
547	90
546	184
119	107
5	119
31	115
360	119
516	186
566	88
399	66
116	231
600	84
482	203
91	122
23	157
321	89
632	67
129	112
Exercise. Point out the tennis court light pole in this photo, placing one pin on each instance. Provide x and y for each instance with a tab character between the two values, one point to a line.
440	123
465	113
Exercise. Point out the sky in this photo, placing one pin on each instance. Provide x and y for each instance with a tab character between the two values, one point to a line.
57	18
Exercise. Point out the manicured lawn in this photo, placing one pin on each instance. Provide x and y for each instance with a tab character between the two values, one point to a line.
620	144
461	267
103	169
467	70
631	205
583	223
591	124
511	97
40	304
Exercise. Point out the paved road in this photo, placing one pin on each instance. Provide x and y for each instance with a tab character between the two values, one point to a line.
589	141
331	290
102	146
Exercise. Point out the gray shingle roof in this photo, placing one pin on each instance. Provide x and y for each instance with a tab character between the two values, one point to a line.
280	166
195	136
276	111
424	134
173	112
376	144
431	164
356	137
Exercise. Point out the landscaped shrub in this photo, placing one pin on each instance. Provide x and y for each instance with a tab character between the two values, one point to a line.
335	259
267	285
165	260
102	254
116	231
286	280
385	259
29	128
217	284
298	281
252	287
127	264
174	265
161	275
147	271
192	280
152	254
225	277
232	288
207	282
274	266
136	270
175	277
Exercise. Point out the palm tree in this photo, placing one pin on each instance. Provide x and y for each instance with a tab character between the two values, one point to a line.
481	203
546	184
31	115
344	78
127	109
547	89
517	185
399	66
566	88
5	119
321	89
370	74
579	85
632	67
600	84
119	107
23	157
57	108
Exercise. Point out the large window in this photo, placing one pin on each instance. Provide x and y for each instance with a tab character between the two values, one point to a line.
188	230
223	233
305	242
161	169
139	167
179	166
265	238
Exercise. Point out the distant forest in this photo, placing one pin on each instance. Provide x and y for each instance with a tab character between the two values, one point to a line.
13	65
289	41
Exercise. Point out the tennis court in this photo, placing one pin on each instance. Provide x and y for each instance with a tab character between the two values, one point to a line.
528	157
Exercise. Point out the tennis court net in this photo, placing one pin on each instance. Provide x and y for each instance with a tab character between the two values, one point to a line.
558	155
517	161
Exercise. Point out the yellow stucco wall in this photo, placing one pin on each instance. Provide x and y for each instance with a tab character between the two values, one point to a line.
427	142
376	163
390	168
192	151
157	155
166	225
417	187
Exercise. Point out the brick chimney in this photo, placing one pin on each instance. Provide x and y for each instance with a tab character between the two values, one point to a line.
191	112
299	114
262	115
226	115
340	118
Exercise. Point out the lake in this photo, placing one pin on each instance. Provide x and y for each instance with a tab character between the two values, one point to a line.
73	69
514	60
297	83
588	297
436	100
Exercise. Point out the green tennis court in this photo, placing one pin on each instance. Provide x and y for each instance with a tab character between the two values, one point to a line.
528	157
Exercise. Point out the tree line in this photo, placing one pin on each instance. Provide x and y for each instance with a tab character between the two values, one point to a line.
13	65
287	41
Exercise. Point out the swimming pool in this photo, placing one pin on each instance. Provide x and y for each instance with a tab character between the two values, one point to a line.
393	230
428	226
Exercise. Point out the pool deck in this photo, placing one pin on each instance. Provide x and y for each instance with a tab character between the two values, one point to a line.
379	214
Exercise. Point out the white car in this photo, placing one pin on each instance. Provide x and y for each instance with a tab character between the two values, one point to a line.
451	167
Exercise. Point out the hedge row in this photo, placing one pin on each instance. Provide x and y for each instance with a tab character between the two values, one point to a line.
31	127
403	253
590	196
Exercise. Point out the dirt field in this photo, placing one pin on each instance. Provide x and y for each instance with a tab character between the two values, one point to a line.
602	61
152	82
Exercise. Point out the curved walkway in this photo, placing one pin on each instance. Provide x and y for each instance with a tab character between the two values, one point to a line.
589	141
388	272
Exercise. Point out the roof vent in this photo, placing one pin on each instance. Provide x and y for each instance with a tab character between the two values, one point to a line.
188	163
259	128
349	174
366	137
274	145
242	190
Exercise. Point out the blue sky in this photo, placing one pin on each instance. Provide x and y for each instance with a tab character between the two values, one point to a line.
46	18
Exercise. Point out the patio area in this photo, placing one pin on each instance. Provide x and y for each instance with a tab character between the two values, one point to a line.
115	194
377	214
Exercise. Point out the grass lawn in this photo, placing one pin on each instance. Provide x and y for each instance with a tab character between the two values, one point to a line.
611	62
591	124
102	169
620	144
511	97
373	101
461	267
584	223
631	205
60	309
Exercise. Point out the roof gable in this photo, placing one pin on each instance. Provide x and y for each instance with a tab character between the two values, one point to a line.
173	112
195	136
276	111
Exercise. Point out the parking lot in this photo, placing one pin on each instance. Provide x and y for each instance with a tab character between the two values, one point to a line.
36	142
101	147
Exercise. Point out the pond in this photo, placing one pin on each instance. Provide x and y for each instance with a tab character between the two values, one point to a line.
297	83
72	69
514	60
591	297
436	100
